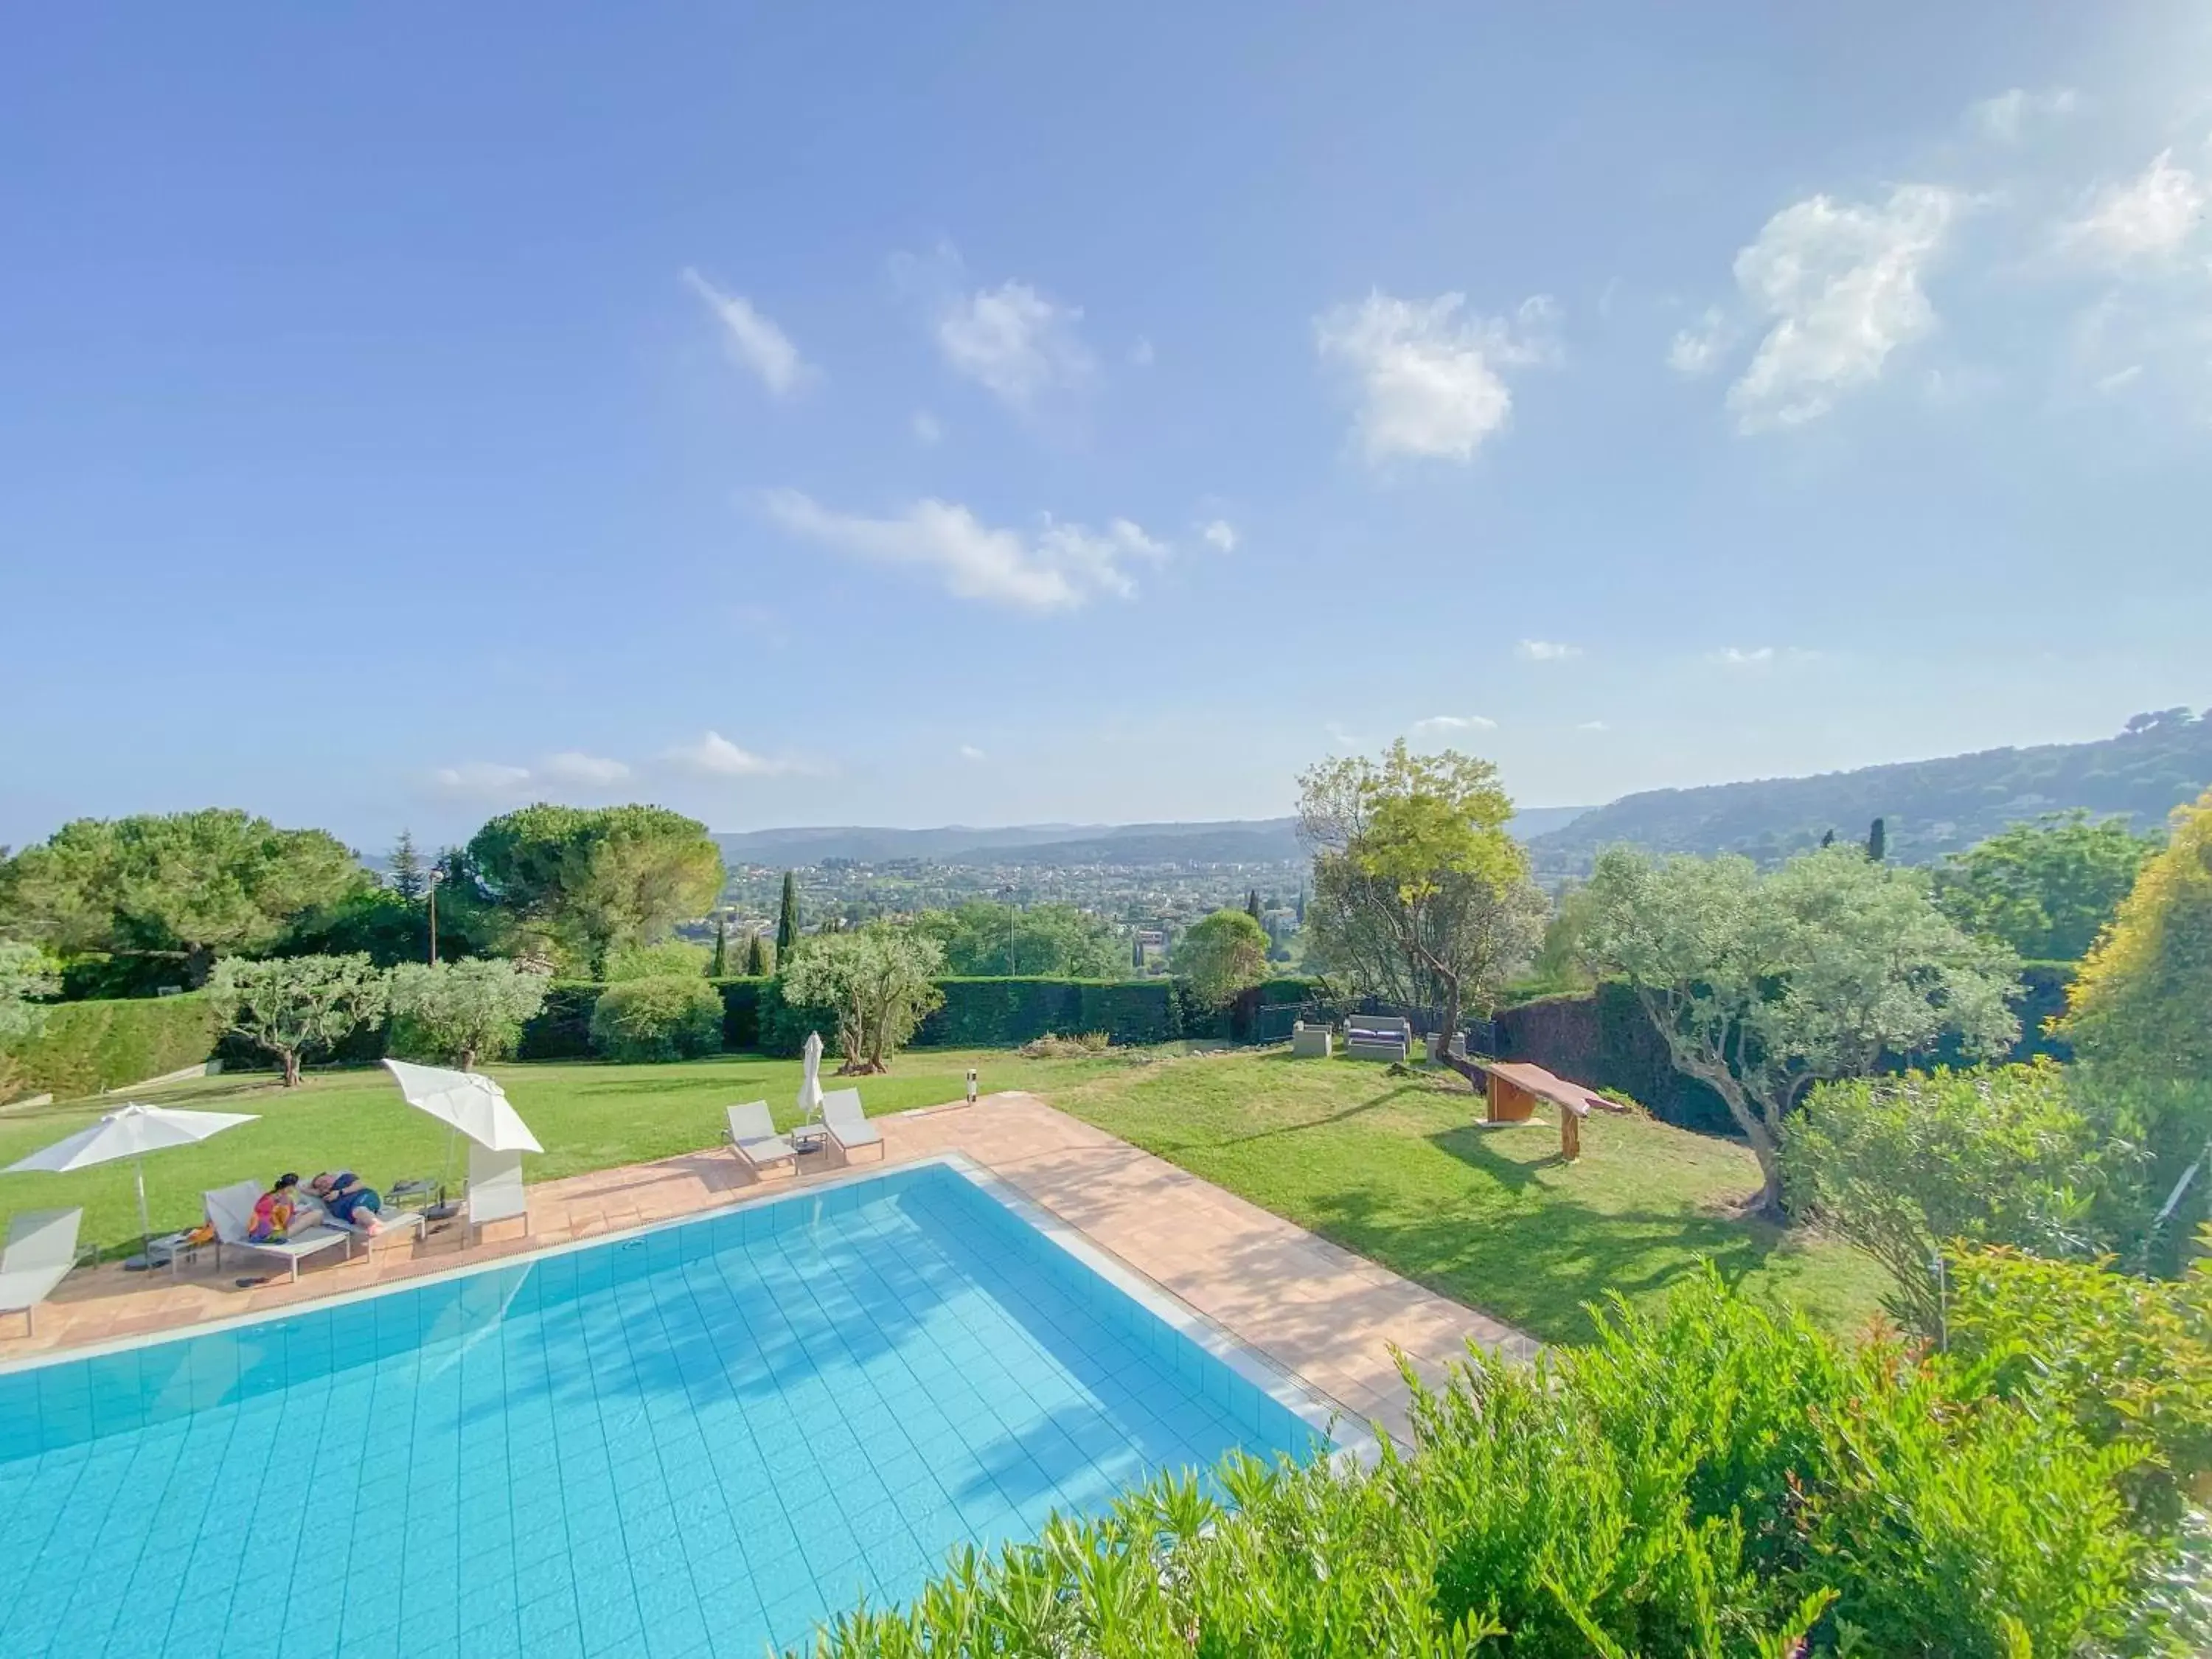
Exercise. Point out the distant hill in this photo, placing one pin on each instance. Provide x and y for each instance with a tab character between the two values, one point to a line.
1231	841
1930	807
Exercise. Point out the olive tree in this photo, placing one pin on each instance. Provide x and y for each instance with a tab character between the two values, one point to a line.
879	981
1420	895
296	1006
463	1012
1762	985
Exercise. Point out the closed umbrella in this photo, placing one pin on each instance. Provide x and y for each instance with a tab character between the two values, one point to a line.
810	1086
131	1131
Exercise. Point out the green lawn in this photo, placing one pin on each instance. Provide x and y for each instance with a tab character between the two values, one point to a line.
1393	1168
587	1116
1396	1169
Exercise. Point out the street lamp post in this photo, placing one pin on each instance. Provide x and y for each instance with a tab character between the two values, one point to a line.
432	891
1012	911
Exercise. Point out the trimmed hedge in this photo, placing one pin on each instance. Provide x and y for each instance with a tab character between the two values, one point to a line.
86	1047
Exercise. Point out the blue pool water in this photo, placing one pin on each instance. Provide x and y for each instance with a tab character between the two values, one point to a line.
695	1442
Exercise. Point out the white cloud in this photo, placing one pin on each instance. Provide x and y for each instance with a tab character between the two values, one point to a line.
1546	650
1218	533
1058	567
2119	379
752	341
1839	285
589	771
1593	725
1013	340
2007	117
1737	656
1698	350
1429	377
1141	354
927	429
714	755
2150	217
969	751
481	779
1456	723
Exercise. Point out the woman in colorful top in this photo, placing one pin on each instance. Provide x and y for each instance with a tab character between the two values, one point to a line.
348	1201
273	1211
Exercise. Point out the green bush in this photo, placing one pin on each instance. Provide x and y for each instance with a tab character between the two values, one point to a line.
1710	1479
672	1017
669	959
85	1046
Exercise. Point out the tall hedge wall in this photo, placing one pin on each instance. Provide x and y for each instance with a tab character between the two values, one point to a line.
86	1047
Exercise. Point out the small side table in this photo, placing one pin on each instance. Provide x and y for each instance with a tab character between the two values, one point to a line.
810	1137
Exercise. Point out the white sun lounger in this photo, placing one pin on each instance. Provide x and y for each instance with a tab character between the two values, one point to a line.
495	1189
41	1250
847	1125
230	1213
395	1223
753	1137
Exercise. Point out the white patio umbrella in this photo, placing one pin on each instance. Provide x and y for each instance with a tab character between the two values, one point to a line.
131	1131
467	1103
810	1086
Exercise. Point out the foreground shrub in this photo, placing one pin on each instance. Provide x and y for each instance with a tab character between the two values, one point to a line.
1710	1480
1904	1166
668	1017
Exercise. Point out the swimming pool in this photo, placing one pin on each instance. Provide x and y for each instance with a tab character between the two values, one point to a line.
695	1441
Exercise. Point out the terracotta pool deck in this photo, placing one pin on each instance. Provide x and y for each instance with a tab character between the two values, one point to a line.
1315	1310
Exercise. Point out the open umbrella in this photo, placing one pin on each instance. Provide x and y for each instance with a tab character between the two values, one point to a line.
810	1086
131	1131
468	1102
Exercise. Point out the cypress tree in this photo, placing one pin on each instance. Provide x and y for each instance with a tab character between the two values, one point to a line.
721	965
1878	840
1252	902
756	964
1137	951
1828	840
786	922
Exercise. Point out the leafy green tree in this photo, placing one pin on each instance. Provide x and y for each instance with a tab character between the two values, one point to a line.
670	1017
1761	986
186	887
1907	1167
1420	895
878	979
759	958
576	883
1222	955
460	1012
408	877
1056	940
672	957
25	975
296	1007
2046	888
786	918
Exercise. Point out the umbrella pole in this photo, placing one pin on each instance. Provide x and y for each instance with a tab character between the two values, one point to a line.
145	1220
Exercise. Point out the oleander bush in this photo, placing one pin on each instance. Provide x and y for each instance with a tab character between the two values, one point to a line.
1712	1479
669	1017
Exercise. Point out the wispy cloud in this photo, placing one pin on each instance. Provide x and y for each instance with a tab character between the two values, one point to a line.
1057	567
1437	723
1593	725
1835	289
1699	350
1546	650
969	751
711	755
481	779
927	429
1013	340
752	341
1759	656
2007	118
1429	376
572	766
1219	534
2147	218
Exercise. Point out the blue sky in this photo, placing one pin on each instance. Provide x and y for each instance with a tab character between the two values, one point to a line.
911	415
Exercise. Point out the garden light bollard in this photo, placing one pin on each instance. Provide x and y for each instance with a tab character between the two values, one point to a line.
971	1085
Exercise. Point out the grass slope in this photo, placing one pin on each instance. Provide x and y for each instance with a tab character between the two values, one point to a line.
1396	1169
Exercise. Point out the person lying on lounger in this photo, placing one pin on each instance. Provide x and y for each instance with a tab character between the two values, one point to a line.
348	1202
